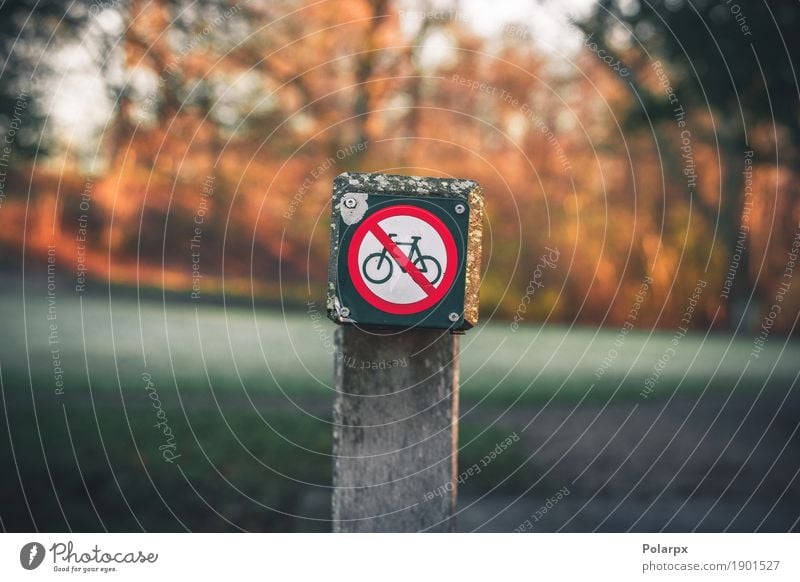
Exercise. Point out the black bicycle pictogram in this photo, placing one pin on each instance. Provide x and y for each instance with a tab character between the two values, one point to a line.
384	263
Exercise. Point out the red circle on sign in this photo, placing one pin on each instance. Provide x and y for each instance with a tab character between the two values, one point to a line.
434	294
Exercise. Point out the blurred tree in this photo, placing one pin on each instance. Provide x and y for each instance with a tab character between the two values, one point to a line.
730	63
28	29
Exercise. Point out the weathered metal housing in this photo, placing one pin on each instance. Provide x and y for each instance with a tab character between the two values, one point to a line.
365	194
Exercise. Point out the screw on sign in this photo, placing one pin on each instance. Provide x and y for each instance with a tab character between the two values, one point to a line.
405	251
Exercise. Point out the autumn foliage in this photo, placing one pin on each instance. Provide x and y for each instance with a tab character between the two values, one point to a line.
236	121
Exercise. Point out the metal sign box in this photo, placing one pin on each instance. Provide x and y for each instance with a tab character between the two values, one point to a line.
405	251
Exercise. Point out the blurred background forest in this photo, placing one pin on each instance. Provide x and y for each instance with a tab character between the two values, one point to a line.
165	184
559	110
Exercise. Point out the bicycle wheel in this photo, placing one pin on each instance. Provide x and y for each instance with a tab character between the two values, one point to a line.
424	263
377	268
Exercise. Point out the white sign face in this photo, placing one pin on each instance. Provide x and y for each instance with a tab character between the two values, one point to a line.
421	245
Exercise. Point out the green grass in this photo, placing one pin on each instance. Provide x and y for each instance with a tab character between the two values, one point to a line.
270	474
245	472
201	351
248	398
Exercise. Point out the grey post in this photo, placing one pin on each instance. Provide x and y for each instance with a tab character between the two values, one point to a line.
395	431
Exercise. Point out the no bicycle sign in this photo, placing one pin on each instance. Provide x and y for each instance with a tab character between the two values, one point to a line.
405	251
402	259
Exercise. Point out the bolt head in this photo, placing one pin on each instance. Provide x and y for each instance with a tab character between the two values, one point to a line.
344	312
453	317
350	202
460	209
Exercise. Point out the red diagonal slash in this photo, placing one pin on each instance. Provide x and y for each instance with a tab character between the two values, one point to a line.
402	260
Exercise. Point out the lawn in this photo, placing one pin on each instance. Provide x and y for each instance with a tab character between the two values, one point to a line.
247	398
199	351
